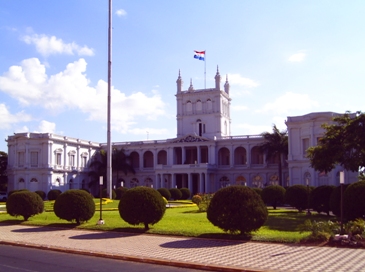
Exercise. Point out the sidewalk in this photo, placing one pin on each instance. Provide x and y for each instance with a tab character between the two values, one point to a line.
217	255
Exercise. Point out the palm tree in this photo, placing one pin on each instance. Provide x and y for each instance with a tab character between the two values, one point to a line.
98	167
276	145
121	162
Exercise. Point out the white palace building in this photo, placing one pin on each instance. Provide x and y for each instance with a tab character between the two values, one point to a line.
203	157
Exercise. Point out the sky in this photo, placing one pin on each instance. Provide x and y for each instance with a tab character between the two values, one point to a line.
282	58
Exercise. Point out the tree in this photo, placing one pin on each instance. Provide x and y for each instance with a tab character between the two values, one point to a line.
273	194
320	198
3	174
121	162
74	205
343	143
24	203
142	205
98	167
237	209
297	196
276	145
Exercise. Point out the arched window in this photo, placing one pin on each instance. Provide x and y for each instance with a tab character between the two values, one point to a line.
257	181
224	181
241	180
199	105
209	104
189	106
148	182
134	182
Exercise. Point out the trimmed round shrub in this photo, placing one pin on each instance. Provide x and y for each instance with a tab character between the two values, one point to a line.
297	197
165	193
74	205
175	193
24	203
273	195
335	200
354	201
185	193
86	190
105	194
119	192
42	194
237	209
196	199
257	190
142	205
53	194
14	191
320	198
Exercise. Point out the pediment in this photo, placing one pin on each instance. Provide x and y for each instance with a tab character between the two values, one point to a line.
190	138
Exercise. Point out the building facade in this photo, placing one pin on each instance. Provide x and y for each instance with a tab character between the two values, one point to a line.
204	156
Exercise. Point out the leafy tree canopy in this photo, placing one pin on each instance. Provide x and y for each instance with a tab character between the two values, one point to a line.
343	143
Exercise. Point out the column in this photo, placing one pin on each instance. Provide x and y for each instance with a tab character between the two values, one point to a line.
183	155
190	185
173	180
199	154
201	183
248	155
156	183
141	166
231	157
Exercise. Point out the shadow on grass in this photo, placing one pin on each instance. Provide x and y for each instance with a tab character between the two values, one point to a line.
290	220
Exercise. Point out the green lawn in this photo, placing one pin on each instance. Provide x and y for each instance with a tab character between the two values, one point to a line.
281	226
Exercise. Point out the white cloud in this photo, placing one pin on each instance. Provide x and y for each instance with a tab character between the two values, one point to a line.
46	126
239	108
248	129
29	84
48	45
121	12
298	57
7	119
148	131
289	102
237	79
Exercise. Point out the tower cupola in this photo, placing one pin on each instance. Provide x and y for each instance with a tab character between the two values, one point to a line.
226	85
179	83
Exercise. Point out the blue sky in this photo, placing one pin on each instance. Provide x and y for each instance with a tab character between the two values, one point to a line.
282	58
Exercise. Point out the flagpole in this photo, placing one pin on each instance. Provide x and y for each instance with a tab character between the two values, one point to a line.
109	149
205	71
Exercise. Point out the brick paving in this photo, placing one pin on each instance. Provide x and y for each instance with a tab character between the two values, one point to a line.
207	254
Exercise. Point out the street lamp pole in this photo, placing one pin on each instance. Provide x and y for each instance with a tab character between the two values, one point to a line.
308	211
101	221
342	181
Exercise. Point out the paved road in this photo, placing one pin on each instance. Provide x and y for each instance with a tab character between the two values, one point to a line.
195	253
23	259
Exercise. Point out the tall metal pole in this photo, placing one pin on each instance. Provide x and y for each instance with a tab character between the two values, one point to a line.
342	181
109	146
